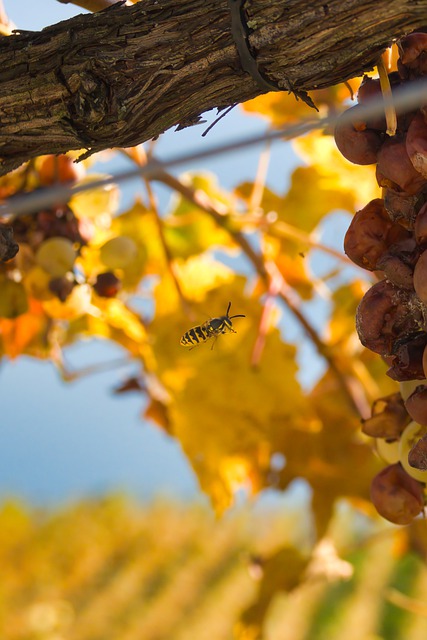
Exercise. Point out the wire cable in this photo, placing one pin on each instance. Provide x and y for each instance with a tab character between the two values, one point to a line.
407	98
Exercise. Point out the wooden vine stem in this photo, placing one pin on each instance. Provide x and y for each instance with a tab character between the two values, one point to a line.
126	74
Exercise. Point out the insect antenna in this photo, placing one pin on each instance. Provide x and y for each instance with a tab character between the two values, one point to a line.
239	315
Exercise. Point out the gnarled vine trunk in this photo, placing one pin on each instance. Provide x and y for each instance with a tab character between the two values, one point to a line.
126	74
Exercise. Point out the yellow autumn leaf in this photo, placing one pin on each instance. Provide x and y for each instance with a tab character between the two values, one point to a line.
282	108
26	333
351	186
197	277
97	203
77	304
226	436
118	316
290	257
190	230
139	223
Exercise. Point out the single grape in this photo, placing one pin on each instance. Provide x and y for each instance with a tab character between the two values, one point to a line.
56	256
420	277
416	143
13	299
416	404
407	362
420	227
389	418
388	450
355	141
370	234
118	252
8	246
425	362
413	55
386	314
396	271
401	207
395	169
396	496
417	457
107	285
59	169
410	436
36	283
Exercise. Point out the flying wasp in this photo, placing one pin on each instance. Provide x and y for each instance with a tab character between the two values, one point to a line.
210	329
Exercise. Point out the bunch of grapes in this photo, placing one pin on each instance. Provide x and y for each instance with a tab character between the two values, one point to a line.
48	266
389	237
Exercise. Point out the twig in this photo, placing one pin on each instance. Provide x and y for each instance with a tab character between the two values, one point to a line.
168	255
390	111
260	178
264	322
143	158
280	229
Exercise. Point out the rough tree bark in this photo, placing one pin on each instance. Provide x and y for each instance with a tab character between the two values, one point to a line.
126	74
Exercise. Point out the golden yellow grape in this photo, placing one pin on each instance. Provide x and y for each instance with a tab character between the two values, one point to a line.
56	256
36	283
388	451
118	252
410	436
13	299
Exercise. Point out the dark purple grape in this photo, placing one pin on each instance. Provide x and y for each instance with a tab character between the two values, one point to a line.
401	207
420	277
417	457
416	404
386	314
395	169
389	418
413	55
370	234
420	227
396	496
107	285
416	143
407	362
356	141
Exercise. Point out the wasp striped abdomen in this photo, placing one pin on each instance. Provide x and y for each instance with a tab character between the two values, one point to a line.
210	329
195	336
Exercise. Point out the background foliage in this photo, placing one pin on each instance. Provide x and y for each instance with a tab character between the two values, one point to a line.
248	413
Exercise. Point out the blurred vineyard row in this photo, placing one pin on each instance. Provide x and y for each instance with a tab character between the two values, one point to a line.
113	569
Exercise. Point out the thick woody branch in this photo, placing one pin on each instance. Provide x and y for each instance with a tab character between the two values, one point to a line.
124	75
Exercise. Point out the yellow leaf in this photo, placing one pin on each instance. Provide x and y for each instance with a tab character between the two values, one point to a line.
223	411
343	184
77	304
25	334
190	230
95	203
284	108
